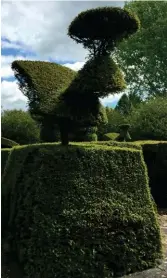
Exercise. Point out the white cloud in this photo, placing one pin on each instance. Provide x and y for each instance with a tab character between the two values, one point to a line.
75	66
6	62
10	94
42	26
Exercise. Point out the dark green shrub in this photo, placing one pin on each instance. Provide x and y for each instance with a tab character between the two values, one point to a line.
149	121
92	137
124	135
79	211
19	126
110	136
4	157
7	143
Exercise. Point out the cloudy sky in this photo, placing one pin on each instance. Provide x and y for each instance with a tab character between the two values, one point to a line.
37	30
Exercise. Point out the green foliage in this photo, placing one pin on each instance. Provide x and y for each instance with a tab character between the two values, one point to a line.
97	221
143	57
83	110
49	131
42	83
91	137
149	121
134	145
7	143
124	133
4	157
155	156
100	29
124	105
100	75
19	126
110	136
114	120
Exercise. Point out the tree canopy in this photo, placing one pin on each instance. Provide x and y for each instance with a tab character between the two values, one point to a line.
143	57
19	126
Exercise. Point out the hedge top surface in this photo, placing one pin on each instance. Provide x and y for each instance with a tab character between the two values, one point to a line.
103	23
42	81
149	142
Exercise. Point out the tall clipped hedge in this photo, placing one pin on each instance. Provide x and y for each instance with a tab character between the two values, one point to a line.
79	211
155	156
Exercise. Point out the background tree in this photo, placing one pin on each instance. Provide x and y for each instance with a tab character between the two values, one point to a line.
124	106
112	126
149	121
19	126
143	58
127	103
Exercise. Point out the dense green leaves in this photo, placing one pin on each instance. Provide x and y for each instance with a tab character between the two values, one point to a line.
18	126
143	57
100	75
42	83
149	121
124	105
97	221
127	103
100	29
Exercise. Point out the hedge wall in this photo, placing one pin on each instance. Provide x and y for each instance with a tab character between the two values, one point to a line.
155	156
4	157
79	211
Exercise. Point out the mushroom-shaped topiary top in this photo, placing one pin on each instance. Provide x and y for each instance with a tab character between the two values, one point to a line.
99	29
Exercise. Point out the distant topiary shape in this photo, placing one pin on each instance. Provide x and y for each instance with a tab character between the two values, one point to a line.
124	134
100	29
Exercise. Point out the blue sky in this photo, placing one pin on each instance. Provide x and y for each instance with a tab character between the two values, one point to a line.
38	31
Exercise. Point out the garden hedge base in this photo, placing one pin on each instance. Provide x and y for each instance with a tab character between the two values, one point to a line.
155	156
79	211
